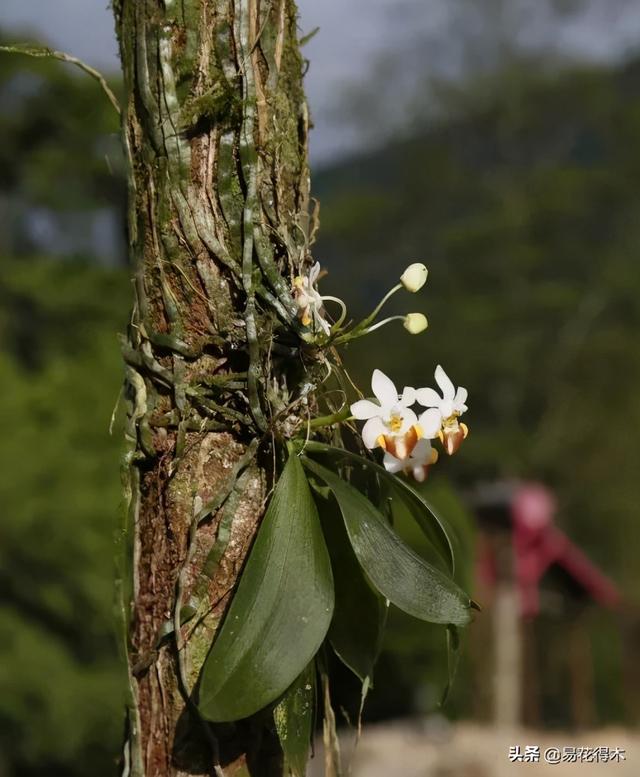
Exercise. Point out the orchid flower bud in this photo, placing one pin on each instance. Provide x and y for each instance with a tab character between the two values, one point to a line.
415	323
414	277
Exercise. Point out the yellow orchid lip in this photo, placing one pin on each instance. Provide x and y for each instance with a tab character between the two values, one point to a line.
395	423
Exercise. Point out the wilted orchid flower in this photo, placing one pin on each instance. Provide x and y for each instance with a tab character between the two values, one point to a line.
416	464
444	410
390	422
308	299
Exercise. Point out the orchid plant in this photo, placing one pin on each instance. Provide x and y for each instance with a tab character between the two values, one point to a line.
327	562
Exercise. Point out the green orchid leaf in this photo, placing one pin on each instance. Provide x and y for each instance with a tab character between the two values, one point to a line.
360	613
431	523
281	610
410	520
401	575
293	718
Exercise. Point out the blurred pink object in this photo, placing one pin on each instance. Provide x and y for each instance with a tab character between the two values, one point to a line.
537	544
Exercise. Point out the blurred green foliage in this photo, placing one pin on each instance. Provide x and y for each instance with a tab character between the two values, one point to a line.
525	210
60	693
524	206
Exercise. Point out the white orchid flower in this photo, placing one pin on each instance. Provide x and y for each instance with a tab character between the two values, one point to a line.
389	422
444	410
416	464
308	299
452	401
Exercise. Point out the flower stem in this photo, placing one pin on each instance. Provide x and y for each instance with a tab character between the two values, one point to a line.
383	323
366	321
356	333
329	420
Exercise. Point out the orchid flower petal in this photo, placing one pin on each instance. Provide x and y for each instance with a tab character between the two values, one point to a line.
422	451
384	389
430	422
371	431
364	409
445	384
461	396
409	419
392	464
419	473
408	396
428	397
447	408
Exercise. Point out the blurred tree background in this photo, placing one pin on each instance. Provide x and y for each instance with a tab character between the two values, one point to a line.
513	175
62	301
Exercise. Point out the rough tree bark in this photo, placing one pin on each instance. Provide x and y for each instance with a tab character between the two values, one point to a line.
215	128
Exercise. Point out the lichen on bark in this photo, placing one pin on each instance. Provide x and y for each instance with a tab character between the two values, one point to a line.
215	129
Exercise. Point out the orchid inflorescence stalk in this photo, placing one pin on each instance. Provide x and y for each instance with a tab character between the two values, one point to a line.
312	315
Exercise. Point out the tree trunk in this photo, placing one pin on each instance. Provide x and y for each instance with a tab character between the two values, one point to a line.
215	129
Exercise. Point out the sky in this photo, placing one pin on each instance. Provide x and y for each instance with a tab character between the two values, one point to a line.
85	29
353	35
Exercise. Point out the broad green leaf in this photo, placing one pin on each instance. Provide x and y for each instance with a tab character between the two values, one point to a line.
281	611
416	528
434	528
360	613
293	718
431	523
406	579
